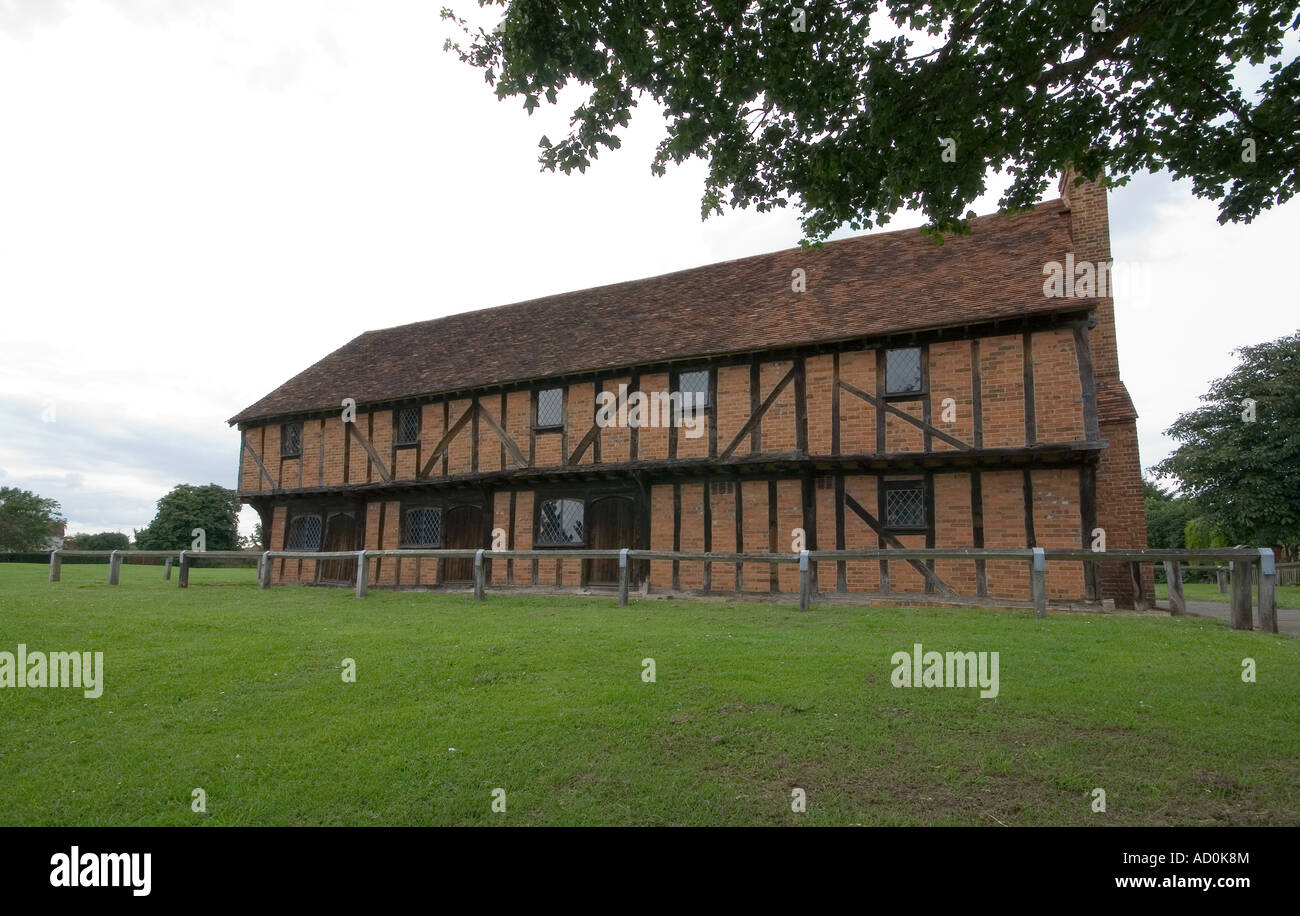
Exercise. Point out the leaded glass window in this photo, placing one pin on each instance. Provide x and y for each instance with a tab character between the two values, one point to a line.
423	528
304	533
290	440
903	370
550	408
905	506
696	384
559	522
408	426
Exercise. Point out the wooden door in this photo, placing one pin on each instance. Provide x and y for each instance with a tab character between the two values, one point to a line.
613	526
340	534
462	528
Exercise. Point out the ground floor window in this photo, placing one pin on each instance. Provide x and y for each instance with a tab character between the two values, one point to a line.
422	528
304	533
560	523
905	505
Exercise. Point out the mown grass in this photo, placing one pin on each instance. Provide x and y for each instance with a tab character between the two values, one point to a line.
1288	596
239	692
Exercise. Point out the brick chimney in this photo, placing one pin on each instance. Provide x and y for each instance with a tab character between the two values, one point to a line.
1090	232
1120	509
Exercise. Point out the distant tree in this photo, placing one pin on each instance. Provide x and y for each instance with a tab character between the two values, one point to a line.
105	540
1167	516
213	508
1239	457
27	521
1202	532
255	541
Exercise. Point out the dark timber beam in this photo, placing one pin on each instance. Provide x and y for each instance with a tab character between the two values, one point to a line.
932	579
445	442
904	415
756	417
370	450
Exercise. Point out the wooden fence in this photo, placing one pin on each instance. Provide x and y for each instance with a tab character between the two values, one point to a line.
1246	564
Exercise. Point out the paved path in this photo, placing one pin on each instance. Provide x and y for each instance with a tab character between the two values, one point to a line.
1288	620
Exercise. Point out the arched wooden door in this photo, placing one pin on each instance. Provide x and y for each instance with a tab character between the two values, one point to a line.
612	525
340	534
462	528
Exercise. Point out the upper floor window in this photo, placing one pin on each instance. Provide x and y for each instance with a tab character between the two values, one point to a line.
905	505
559	522
903	370
696	384
423	528
550	408
408	426
304	533
291	440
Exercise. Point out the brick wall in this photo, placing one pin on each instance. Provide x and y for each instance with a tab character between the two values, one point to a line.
1120	510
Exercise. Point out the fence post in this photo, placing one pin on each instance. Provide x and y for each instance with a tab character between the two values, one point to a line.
1241	616
805	582
1267	590
114	568
363	574
1221	577
622	577
1174	575
264	570
1038	581
478	575
56	565
167	569
183	577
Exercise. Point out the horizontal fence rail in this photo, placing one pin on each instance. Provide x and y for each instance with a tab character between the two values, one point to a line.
1246	564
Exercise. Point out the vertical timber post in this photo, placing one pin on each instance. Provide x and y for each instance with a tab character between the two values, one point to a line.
1241	595
1174	576
622	577
1221	577
1139	596
363	574
1267	590
167	569
478	575
114	568
805	582
264	571
56	565
1038	581
183	577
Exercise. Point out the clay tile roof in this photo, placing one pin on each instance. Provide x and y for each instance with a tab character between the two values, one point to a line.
1113	402
864	286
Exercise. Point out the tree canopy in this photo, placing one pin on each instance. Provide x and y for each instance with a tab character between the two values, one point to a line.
27	521
852	116
213	508
1167	516
1239	452
104	540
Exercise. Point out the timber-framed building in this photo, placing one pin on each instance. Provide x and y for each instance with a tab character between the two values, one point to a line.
911	394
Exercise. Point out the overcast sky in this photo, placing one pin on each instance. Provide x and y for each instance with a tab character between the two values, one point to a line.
200	199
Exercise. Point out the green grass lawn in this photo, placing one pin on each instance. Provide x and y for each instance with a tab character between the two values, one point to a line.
1288	596
238	692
